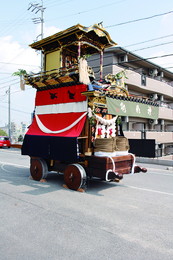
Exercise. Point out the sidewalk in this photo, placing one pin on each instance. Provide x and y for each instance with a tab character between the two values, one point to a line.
168	161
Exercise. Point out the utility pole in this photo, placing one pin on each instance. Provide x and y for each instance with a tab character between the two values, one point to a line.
9	112
36	8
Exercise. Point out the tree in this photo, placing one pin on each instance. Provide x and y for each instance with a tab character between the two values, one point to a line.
3	133
21	73
20	138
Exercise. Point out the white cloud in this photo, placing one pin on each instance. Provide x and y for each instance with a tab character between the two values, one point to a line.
14	56
47	31
50	30
13	53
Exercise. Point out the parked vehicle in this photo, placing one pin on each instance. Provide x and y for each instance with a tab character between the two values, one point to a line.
5	141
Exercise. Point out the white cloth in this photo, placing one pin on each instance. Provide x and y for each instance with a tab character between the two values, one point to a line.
83	71
113	154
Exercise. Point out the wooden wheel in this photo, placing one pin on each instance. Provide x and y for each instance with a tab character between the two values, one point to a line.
38	169
74	176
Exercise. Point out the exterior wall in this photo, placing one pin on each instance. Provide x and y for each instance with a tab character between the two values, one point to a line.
169	127
134	80
160	137
140	83
94	62
166	113
132	134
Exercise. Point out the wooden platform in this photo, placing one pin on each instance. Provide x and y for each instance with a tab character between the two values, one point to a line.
98	166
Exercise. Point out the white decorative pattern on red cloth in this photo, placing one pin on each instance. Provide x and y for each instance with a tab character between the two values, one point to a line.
60	112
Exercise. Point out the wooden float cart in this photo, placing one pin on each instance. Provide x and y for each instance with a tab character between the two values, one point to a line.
61	135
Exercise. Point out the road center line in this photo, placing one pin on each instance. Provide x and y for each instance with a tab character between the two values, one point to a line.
150	190
13	164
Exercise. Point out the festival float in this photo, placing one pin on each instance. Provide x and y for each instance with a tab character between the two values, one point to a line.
76	128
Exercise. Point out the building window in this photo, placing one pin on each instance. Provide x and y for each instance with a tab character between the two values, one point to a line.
143	80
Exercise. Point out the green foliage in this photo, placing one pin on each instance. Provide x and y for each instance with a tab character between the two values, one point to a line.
121	74
92	121
3	133
19	73
119	120
20	138
85	56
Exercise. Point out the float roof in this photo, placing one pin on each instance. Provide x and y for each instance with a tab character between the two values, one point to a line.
94	36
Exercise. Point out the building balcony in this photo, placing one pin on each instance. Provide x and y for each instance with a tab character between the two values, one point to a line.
166	113
151	85
132	134
160	137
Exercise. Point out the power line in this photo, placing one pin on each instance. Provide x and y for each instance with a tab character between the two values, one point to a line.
154	39
3	98
18	54
137	59
20	91
165	43
138	20
13	23
4	77
18	64
54	3
4	95
10	85
1	83
21	111
152	58
5	73
89	10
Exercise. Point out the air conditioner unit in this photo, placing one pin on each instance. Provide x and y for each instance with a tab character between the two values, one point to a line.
153	72
123	58
161	74
153	96
153	121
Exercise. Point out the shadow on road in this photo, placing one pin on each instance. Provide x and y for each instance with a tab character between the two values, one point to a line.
19	176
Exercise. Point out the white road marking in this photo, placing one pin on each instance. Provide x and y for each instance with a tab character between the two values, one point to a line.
13	164
150	190
166	174
132	187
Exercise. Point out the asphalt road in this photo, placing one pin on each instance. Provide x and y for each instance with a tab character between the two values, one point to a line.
130	220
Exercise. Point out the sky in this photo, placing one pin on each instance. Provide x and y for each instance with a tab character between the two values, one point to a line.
142	27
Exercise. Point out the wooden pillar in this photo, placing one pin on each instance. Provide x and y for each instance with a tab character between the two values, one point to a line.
61	58
101	65
79	50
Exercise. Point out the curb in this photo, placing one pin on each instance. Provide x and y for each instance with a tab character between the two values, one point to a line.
138	159
155	161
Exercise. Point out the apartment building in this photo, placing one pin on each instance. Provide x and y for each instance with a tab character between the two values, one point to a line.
16	130
148	81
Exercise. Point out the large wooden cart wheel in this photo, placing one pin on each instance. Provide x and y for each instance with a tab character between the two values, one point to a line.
74	176
38	169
